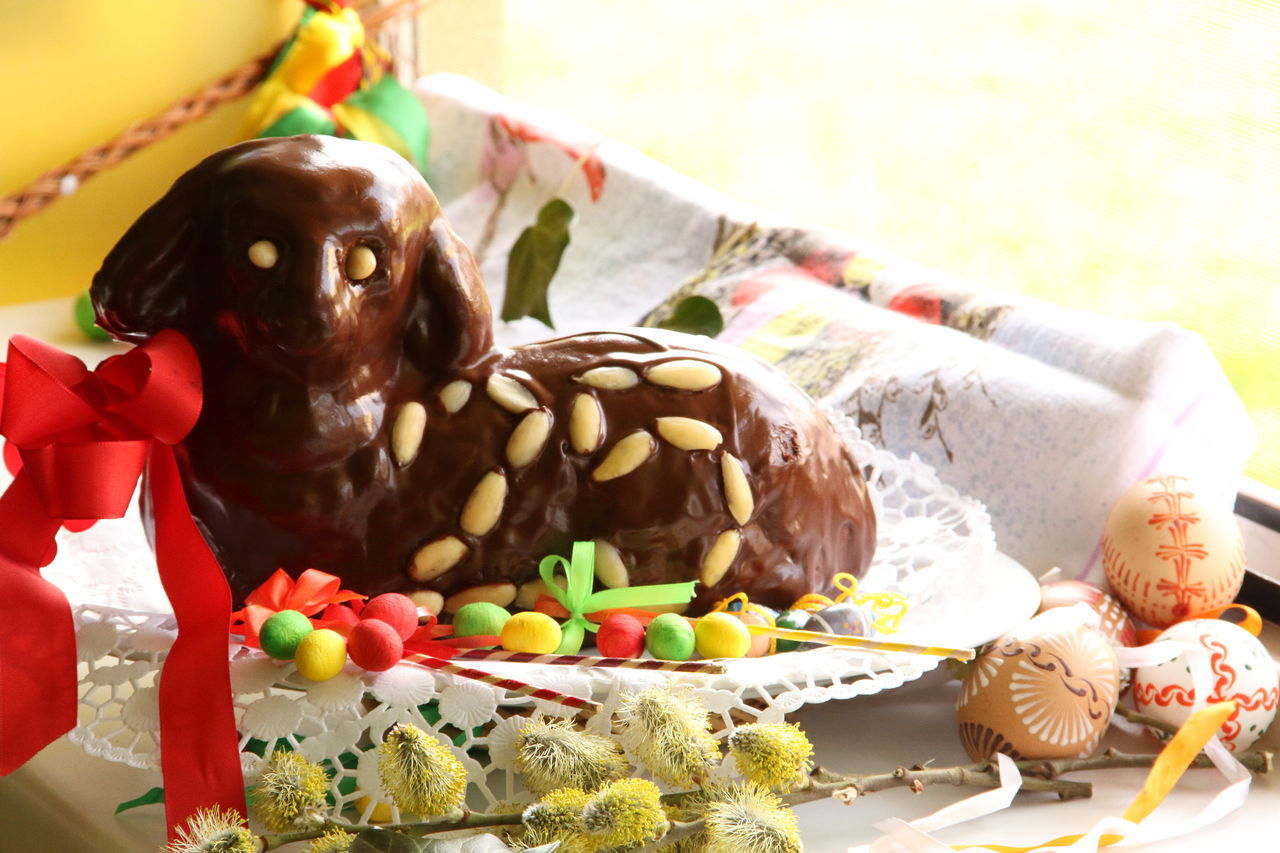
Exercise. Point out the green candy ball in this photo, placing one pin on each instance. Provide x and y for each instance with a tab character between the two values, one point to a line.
479	618
282	632
86	321
669	637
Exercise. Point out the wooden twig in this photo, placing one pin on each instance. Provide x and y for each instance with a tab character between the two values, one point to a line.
1150	722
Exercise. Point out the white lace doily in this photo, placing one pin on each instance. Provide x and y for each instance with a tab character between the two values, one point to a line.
935	547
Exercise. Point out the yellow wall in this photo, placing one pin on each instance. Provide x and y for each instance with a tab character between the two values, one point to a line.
76	72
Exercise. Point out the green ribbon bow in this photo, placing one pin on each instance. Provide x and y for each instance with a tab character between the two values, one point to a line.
577	598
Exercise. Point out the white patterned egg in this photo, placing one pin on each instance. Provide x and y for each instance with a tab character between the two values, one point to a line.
1170	554
1237	666
1041	691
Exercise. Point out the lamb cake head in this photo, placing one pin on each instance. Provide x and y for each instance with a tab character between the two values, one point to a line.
358	419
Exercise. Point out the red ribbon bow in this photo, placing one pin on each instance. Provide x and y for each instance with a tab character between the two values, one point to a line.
312	592
84	438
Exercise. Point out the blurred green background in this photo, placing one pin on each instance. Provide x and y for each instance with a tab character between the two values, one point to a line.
1122	158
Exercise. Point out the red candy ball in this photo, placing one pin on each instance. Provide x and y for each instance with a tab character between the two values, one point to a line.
620	636
374	645
396	610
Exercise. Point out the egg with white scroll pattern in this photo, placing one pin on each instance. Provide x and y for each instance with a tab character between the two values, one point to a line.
1045	690
1237	667
1170	553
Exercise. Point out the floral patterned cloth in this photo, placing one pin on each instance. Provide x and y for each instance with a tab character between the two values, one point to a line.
1045	414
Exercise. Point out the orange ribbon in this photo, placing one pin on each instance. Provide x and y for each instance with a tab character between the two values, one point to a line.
312	592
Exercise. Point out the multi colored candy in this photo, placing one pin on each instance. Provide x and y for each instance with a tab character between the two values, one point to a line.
321	655
533	632
621	635
396	610
670	637
479	619
721	635
374	645
282	632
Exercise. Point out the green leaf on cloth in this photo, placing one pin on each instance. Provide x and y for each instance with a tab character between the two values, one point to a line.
155	795
533	262
696	315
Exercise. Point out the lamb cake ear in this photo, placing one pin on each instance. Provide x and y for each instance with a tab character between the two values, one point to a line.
143	285
452	324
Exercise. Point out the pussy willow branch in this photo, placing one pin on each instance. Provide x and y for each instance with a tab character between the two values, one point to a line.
1037	775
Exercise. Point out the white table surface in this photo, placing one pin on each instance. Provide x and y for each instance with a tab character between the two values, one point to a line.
63	800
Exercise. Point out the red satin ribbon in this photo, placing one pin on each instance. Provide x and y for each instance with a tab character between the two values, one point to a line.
84	438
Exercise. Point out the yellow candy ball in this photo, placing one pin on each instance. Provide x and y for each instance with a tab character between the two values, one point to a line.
321	655
721	635
532	632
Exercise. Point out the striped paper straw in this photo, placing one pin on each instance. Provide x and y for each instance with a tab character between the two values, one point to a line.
859	642
509	684
703	667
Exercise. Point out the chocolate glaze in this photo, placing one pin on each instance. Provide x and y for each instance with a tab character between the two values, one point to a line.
305	371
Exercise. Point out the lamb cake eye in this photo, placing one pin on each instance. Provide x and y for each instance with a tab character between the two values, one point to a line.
361	263
263	254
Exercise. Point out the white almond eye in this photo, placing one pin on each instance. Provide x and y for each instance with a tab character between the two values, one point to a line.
263	254
361	263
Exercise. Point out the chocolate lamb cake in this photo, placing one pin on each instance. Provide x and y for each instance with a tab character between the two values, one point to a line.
358	418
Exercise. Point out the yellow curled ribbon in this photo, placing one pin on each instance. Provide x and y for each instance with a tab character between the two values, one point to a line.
1167	769
577	598
887	609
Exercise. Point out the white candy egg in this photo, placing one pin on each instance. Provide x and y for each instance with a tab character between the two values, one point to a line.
1169	554
1236	666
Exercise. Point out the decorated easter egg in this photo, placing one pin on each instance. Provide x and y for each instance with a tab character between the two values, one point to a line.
621	635
396	610
761	644
670	637
532	632
1115	623
845	618
797	619
374	645
1235	664
281	633
1169	553
721	635
1045	690
321	655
